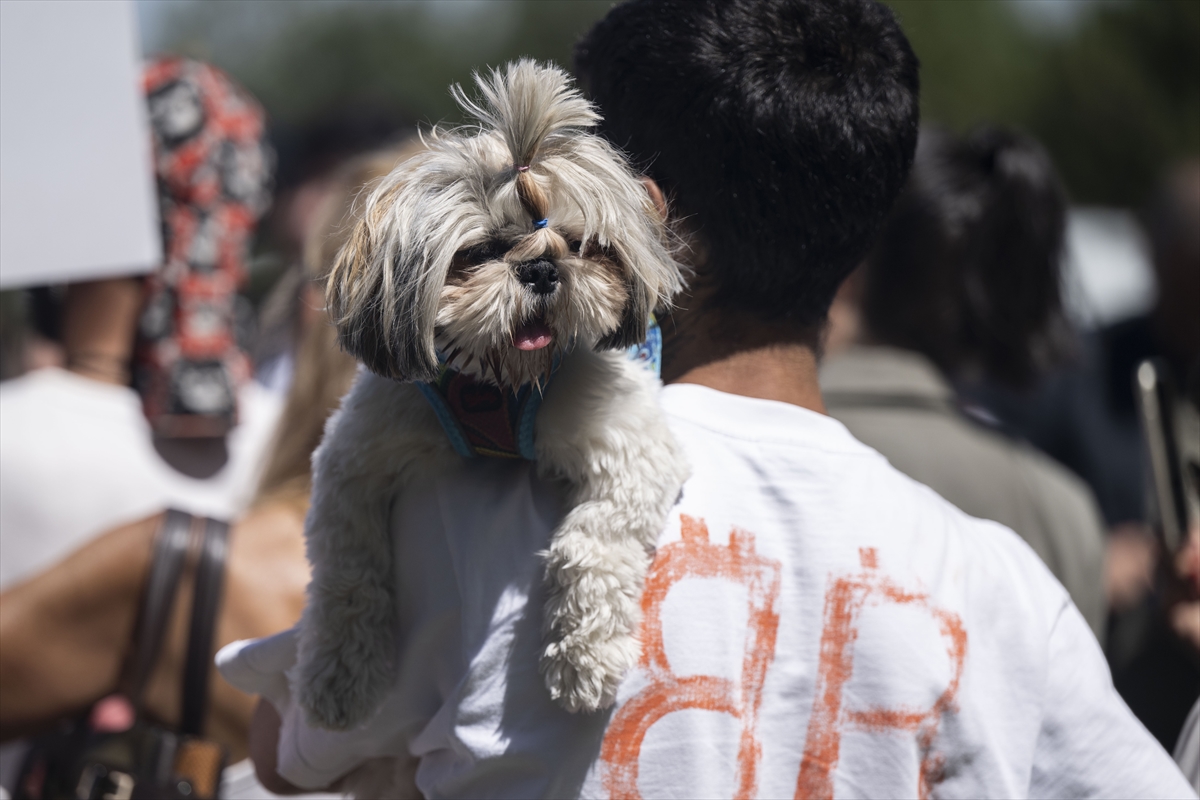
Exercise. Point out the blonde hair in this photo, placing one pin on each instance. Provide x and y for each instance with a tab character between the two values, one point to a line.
323	371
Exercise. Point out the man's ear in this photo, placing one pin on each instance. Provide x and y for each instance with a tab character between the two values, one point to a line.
656	195
844	323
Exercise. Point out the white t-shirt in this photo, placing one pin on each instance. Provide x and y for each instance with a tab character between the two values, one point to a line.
816	624
77	458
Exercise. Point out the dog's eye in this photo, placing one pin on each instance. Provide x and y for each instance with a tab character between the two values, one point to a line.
575	245
480	253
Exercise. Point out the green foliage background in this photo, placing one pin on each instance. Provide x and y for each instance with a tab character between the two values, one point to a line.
1115	99
1115	95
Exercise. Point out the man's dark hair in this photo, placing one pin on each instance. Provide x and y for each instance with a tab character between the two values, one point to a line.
782	131
967	267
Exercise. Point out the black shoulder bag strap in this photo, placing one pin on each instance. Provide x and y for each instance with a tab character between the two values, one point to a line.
166	568
206	602
146	759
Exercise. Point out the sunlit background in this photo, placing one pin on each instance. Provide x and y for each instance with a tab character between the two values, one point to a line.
1111	87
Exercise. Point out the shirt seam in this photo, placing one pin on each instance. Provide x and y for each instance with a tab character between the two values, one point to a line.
850	451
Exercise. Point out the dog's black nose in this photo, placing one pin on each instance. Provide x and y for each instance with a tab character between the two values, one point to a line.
540	276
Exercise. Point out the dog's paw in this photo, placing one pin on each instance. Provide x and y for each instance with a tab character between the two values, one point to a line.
592	617
585	677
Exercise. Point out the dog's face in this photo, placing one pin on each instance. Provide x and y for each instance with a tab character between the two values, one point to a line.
502	246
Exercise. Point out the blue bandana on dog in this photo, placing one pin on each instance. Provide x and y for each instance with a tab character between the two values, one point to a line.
482	419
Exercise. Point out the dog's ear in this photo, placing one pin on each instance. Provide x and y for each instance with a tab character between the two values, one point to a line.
378	317
634	320
653	276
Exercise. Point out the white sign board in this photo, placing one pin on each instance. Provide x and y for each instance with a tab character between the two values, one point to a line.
77	197
1108	275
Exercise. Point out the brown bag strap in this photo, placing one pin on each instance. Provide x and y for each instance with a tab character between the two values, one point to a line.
170	554
206	602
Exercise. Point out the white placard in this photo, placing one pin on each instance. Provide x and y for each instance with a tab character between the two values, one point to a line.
77	197
1108	275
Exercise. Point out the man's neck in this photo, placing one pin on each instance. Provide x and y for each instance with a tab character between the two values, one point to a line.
100	321
737	354
784	372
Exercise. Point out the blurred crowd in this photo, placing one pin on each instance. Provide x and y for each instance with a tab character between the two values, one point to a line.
948	350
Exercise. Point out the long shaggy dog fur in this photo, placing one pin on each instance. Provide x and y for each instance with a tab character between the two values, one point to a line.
441	261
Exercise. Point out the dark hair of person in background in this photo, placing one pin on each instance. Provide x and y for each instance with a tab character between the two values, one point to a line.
781	210
967	267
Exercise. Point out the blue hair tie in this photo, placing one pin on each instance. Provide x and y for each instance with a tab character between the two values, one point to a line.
541	223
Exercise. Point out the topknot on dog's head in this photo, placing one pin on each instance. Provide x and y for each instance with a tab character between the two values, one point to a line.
533	106
537	111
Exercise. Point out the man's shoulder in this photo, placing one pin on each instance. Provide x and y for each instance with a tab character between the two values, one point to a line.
754	460
29	391
56	392
698	412
50	412
789	437
976	526
990	545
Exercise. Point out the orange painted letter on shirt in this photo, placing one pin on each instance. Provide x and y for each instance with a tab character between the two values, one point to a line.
843	604
695	557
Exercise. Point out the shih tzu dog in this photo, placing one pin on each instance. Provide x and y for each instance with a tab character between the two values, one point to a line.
510	261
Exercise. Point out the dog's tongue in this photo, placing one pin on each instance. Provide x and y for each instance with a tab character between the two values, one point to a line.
533	335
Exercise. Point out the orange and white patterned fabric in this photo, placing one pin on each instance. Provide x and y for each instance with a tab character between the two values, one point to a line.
213	168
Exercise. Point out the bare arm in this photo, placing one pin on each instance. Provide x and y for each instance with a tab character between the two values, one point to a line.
65	632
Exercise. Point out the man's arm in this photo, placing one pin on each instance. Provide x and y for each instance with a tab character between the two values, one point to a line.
264	749
292	756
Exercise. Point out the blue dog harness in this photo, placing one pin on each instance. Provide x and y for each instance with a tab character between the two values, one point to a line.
482	419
